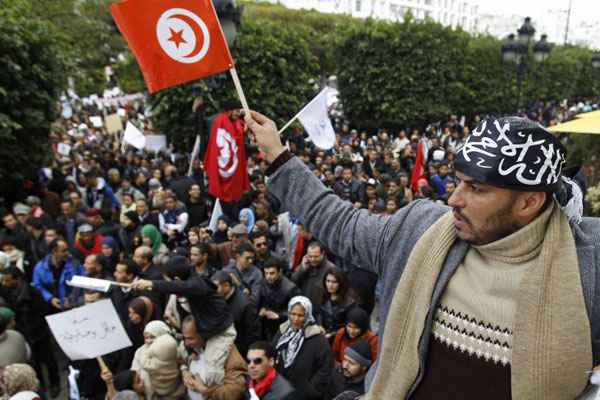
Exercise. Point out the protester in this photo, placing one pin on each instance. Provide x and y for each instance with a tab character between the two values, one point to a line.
18	378
152	330
505	221
350	375
303	353
265	382
244	274
356	329
310	275
336	302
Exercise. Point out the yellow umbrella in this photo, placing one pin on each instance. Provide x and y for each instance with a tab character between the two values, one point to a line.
581	125
591	114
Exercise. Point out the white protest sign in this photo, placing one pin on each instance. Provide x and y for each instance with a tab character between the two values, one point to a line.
134	136
156	142
89	331
101	285
121	112
63	149
96	121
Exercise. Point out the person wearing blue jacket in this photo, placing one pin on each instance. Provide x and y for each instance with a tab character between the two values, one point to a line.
51	274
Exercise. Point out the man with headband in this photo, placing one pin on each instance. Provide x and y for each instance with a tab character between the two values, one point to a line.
494	297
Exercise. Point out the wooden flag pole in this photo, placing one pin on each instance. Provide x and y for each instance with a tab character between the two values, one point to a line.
240	91
103	366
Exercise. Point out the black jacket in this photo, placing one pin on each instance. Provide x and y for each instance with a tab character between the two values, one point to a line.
197	212
310	373
245	320
30	309
210	311
275	298
310	281
332	314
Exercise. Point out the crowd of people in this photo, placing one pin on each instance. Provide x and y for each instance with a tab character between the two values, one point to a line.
249	307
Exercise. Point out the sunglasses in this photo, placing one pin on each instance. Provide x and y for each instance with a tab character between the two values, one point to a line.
255	361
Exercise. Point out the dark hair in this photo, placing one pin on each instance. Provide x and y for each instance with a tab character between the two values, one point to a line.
131	267
315	244
258	234
245	247
14	272
178	267
339	276
274	262
204	248
35	223
222	277
265	346
124	380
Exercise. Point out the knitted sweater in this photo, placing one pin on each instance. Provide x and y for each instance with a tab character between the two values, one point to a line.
471	345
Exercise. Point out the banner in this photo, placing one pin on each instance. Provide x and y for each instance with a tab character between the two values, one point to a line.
173	41
113	124
89	331
134	136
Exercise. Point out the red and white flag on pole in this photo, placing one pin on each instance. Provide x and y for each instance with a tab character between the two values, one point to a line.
225	159
418	171
173	41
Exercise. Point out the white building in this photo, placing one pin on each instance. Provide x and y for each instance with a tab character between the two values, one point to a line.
447	12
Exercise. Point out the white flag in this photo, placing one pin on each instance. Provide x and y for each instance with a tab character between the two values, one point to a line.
316	121
214	218
134	137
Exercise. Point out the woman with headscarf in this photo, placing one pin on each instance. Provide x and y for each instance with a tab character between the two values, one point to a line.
162	368
152	238
152	331
303	353
19	378
247	219
357	328
110	254
130	226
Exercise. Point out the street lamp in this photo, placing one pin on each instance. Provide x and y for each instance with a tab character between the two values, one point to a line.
230	17
517	52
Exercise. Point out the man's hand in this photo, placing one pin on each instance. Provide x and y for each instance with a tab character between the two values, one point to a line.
107	377
305	264
56	303
194	383
272	315
265	132
142	284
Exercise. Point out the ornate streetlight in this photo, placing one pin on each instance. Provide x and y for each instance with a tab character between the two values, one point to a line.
517	52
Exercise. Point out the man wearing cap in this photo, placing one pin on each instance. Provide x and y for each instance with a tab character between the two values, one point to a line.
493	297
226	251
349	376
88	242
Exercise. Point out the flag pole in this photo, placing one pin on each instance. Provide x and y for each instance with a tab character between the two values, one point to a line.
240	91
195	150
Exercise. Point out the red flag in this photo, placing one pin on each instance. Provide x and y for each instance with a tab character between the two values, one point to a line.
225	159
173	41
418	171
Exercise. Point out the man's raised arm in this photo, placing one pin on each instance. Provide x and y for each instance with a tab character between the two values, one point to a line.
350	233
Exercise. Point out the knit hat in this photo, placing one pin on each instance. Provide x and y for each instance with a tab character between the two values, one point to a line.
6	314
85	228
92	212
360	351
154	183
358	317
19	378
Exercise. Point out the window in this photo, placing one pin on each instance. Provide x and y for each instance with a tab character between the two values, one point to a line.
358	5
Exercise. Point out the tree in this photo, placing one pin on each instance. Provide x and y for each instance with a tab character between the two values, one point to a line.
32	74
275	65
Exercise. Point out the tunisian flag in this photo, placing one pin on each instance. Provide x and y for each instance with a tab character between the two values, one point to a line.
173	41
225	159
418	171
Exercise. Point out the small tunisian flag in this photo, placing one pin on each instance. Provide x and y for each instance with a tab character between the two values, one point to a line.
418	171
225	159
174	41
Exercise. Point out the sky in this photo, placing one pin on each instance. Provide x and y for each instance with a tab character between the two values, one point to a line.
589	9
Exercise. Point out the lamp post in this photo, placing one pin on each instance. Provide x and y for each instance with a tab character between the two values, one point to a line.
517	51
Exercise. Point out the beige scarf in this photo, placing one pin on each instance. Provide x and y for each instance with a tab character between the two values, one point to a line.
551	342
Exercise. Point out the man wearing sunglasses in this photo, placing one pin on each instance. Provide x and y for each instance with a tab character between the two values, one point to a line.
265	382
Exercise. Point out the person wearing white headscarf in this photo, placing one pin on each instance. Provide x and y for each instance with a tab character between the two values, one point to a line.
152	331
303	353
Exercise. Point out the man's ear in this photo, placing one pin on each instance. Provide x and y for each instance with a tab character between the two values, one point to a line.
530	204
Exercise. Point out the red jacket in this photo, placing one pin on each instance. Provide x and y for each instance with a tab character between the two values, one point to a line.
342	341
